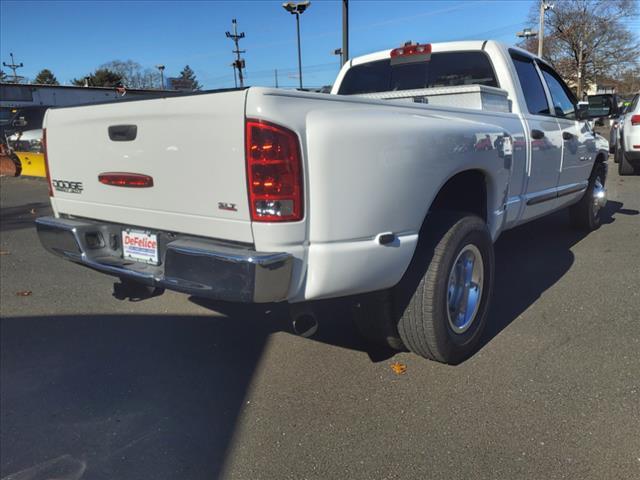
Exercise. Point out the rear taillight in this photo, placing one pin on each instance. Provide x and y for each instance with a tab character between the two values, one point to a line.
274	172
46	161
124	179
635	120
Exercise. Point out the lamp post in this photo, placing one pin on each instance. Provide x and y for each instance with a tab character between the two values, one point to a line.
161	68
297	9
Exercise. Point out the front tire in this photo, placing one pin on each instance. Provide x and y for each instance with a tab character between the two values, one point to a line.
445	293
586	214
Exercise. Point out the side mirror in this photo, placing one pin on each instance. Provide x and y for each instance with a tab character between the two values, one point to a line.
602	105
19	122
582	111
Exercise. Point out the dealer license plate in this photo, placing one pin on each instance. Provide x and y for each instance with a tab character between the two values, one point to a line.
140	246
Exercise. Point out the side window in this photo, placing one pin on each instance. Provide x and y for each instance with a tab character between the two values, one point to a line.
564	104
634	104
531	85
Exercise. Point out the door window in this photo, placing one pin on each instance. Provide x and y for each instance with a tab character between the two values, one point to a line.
531	85
564	104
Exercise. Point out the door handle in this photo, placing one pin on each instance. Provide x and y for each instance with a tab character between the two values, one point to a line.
567	136
537	134
123	133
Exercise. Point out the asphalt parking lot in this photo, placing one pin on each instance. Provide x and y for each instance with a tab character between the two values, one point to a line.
178	388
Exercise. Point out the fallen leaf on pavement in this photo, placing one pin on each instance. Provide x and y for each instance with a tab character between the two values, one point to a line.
399	368
24	293
4	252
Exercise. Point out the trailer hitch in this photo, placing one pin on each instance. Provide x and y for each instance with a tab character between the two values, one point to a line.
134	291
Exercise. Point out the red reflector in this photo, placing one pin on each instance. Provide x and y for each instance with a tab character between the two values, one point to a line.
122	179
274	172
635	120
46	161
409	50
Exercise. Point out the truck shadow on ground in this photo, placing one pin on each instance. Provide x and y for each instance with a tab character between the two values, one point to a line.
529	260
532	258
127	396
22	216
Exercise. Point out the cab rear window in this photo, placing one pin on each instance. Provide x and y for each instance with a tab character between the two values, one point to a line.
445	69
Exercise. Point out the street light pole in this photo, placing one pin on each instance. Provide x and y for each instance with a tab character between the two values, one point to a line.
297	9
161	68
299	50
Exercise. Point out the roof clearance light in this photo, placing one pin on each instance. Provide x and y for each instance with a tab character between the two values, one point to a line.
410	50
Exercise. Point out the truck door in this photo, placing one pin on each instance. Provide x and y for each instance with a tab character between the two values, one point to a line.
578	142
544	139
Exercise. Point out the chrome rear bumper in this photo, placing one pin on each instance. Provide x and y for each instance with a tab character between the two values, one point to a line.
191	265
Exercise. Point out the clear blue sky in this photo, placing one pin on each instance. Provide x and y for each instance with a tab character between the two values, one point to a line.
72	38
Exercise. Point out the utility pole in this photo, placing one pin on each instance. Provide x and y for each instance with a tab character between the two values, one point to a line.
239	63
276	72
345	31
544	6
14	66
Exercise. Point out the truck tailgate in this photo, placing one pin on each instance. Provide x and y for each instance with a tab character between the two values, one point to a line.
191	146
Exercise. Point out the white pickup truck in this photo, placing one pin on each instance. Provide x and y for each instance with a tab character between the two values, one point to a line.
397	183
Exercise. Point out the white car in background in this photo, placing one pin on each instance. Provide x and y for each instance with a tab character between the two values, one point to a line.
627	154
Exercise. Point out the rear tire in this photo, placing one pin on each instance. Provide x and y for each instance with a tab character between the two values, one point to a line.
586	214
375	322
437	292
624	166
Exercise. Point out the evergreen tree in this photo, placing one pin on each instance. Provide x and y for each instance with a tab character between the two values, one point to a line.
102	77
46	77
189	75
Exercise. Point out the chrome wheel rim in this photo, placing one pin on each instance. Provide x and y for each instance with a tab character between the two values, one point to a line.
599	196
464	290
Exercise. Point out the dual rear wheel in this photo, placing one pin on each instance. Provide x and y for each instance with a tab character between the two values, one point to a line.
439	308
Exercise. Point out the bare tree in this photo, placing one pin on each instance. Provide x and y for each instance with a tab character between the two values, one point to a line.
133	75
586	40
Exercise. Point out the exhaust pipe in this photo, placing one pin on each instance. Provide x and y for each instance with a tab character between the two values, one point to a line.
304	320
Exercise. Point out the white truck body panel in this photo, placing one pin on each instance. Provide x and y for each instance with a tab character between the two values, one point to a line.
192	146
369	167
